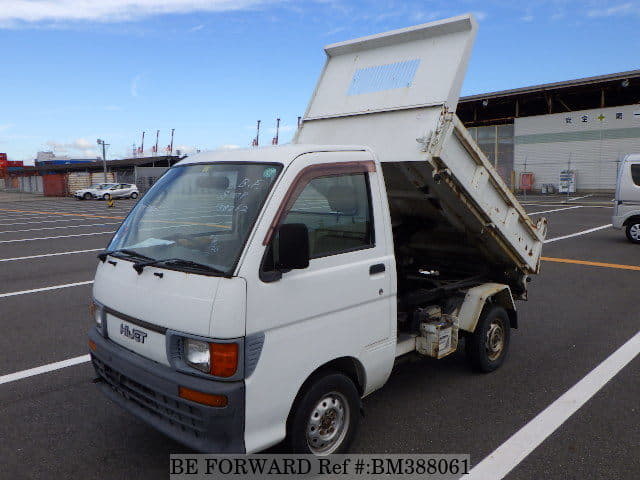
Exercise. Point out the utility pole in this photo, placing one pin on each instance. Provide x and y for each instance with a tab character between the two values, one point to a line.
171	145
275	139
256	141
156	149
104	157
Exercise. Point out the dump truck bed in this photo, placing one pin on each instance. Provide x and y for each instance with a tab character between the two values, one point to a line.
396	93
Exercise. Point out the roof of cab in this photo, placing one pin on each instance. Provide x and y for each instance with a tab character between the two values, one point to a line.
284	154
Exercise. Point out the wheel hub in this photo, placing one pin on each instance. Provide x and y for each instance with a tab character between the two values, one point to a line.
495	340
634	231
327	424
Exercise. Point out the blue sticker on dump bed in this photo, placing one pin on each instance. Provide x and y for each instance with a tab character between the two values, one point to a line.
383	77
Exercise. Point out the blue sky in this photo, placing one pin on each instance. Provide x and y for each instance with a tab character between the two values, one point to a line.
74	70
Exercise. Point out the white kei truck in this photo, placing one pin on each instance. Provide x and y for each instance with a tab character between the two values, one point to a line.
626	213
257	295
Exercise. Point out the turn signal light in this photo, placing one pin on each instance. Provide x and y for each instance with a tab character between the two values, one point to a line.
224	359
92	345
203	398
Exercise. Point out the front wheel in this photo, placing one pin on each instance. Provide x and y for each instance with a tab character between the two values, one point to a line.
134	195
87	196
633	231
325	417
487	347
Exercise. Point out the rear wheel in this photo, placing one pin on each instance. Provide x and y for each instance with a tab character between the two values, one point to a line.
324	419
134	195
87	196
633	231
487	347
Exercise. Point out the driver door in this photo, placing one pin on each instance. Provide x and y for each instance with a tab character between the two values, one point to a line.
343	304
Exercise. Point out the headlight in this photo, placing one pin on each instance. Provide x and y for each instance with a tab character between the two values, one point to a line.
197	354
219	359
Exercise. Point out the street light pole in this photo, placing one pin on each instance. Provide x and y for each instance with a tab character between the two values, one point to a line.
104	158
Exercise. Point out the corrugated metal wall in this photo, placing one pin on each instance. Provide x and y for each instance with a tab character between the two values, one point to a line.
591	142
147	176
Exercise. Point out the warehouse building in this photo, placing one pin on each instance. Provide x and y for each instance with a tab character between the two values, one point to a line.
575	131
62	179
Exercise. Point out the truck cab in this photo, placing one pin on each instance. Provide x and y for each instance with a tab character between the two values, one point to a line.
626	214
257	295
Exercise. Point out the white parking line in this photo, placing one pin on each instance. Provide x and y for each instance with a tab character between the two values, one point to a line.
57	228
49	255
44	221
584	232
60	236
578	198
508	455
12	377
562	205
44	289
555	210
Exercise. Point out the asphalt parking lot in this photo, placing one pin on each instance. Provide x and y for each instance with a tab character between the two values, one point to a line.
581	309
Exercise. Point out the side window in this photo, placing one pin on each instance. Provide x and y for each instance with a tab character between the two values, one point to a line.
635	173
336	210
337	213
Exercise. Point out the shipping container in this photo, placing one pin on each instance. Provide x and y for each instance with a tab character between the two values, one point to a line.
55	185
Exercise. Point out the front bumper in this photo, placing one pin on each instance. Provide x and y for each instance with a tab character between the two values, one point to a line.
149	390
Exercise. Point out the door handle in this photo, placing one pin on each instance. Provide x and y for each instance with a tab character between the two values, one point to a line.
377	268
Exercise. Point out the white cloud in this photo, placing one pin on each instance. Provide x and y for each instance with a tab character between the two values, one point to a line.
621	9
113	108
80	147
228	147
184	149
135	81
196	28
480	16
333	31
527	18
32	11
6	126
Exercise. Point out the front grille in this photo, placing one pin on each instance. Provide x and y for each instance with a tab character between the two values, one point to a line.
174	412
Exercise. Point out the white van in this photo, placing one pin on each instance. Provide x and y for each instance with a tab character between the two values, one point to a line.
626	213
253	296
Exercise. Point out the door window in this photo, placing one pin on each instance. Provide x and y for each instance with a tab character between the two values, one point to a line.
337	213
635	173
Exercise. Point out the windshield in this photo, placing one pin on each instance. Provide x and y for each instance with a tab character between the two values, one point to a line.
198	213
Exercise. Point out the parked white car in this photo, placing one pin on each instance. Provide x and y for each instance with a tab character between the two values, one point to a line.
120	190
94	191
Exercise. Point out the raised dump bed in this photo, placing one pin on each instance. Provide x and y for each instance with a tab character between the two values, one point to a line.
451	212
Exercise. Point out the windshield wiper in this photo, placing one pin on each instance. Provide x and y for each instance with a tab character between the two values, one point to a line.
139	266
132	253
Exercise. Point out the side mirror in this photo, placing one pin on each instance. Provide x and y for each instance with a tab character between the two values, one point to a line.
293	246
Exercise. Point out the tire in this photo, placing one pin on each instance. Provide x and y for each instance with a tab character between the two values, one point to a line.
87	196
487	347
633	231
106	196
134	195
325	416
